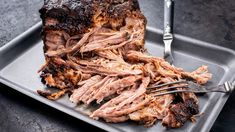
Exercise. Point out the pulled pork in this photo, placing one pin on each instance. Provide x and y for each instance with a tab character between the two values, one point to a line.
95	51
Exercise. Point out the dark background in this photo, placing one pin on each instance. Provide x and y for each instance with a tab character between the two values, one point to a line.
208	20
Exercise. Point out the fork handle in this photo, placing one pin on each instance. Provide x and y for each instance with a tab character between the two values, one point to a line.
223	88
168	16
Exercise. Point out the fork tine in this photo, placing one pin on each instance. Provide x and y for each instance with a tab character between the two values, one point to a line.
168	88
165	84
178	91
227	87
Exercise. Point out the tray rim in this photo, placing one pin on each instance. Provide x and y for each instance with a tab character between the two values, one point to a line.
105	126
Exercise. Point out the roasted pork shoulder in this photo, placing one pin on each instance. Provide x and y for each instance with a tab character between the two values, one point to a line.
94	50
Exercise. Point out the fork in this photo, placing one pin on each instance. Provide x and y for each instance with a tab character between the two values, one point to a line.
168	29
189	86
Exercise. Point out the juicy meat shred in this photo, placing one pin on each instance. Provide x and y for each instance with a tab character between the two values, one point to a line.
113	87
95	50
82	90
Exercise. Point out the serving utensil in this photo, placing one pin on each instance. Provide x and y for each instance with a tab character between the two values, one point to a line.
189	86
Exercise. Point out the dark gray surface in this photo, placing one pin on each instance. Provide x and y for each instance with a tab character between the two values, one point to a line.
211	21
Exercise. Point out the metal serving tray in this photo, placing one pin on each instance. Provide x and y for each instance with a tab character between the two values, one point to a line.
22	57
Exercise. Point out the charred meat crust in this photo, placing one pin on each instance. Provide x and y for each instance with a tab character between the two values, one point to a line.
179	113
183	111
72	16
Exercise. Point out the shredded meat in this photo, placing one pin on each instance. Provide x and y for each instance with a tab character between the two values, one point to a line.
95	50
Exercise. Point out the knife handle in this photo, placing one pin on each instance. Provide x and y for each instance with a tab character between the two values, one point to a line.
168	16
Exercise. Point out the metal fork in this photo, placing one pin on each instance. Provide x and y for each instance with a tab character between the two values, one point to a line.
189	86
168	29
